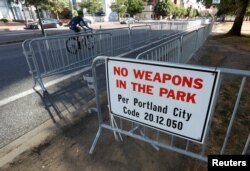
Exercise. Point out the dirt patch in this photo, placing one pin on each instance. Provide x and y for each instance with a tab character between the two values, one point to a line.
69	150
223	27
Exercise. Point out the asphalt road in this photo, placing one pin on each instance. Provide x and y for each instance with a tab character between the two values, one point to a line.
21	109
15	77
16	115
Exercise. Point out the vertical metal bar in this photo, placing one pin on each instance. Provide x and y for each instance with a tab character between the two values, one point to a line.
157	136
121	123
246	145
95	140
130	37
172	140
233	115
217	91
196	41
181	50
149	33
187	145
111	44
98	103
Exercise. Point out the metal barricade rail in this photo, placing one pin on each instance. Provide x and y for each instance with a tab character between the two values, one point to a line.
179	49
120	39
52	55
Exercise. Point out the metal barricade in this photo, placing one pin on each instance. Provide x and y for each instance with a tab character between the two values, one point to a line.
188	46
179	49
139	35
168	51
157	31
166	28
228	125
128	38
52	55
201	37
120	39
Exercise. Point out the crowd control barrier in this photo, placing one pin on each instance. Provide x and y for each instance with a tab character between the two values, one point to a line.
52	55
58	54
129	38
226	118
179	49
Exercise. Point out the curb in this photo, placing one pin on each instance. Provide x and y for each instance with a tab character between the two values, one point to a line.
10	42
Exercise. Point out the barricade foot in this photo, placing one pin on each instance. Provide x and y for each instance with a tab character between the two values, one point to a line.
95	140
48	102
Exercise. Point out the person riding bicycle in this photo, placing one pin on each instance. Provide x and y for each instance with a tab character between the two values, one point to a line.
78	20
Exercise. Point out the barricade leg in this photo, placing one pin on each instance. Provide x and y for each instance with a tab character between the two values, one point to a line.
95	140
47	100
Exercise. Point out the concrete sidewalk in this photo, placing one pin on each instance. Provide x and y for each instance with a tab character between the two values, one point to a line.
11	26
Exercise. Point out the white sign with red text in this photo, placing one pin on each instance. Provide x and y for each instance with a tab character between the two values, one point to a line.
172	98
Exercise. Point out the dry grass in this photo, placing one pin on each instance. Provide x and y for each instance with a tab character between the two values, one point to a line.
226	26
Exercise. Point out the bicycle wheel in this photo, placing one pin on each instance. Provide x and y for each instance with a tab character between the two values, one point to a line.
72	45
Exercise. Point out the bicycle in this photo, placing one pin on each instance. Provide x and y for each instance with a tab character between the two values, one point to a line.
75	43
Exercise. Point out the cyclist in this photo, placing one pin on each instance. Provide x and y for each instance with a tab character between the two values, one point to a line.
78	20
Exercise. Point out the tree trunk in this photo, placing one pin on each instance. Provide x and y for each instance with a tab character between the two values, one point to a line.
39	19
236	28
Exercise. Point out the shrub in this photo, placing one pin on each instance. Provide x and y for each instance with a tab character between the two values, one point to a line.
4	20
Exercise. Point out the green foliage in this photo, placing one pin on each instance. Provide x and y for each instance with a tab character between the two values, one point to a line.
92	6
56	7
119	6
65	14
37	3
65	3
226	7
192	12
135	6
164	8
75	13
248	10
4	20
179	11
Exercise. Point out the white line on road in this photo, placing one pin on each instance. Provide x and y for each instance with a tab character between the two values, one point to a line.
30	91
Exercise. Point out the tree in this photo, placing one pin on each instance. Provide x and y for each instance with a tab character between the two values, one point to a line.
235	7
65	3
236	28
92	6
56	7
161	9
248	13
135	6
179	11
119	6
164	8
37	4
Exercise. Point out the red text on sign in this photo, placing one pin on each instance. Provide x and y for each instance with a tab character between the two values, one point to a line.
176	80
